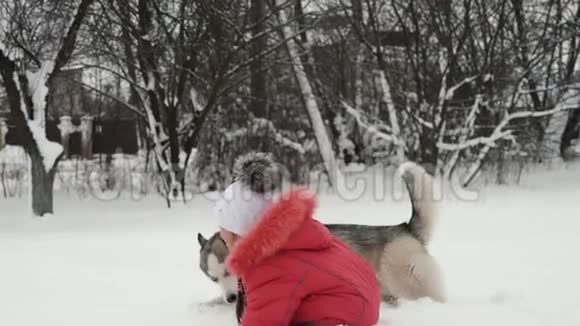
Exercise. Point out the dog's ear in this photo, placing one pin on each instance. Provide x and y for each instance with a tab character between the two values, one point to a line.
201	240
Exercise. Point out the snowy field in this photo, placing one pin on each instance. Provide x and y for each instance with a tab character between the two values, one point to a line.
510	258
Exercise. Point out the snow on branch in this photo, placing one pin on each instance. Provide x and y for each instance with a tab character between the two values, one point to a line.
393	119
373	130
38	83
5	53
150	81
258	124
466	130
421	121
49	150
21	94
537	114
443	65
278	137
464	133
155	133
498	132
38	90
34	85
3	50
195	100
490	141
310	104
451	91
444	95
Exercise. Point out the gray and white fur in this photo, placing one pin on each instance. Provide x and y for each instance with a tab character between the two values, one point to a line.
257	171
398	253
212	255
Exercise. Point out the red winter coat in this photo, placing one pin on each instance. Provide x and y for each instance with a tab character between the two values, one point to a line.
295	271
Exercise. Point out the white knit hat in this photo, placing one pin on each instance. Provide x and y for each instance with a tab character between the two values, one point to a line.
245	200
240	208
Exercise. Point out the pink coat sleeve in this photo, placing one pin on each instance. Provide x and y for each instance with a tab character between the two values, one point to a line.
272	297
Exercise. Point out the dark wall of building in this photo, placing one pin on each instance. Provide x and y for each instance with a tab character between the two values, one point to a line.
114	136
109	137
67	95
114	127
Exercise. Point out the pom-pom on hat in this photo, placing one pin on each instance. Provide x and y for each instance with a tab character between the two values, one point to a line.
256	171
246	199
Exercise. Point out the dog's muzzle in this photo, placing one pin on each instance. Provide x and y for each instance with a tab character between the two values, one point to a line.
231	298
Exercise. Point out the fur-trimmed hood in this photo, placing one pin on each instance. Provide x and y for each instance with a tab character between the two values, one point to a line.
286	225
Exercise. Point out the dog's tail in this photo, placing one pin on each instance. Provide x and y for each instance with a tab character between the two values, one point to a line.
420	186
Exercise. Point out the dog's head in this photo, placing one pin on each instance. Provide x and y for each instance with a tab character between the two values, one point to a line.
212	257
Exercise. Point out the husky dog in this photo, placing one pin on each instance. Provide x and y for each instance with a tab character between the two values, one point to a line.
398	253
212	259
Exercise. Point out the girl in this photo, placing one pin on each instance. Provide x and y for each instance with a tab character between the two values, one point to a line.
292	270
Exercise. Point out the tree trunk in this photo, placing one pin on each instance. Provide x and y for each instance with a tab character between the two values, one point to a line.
322	139
553	137
556	128
175	168
41	186
522	37
258	82
258	73
27	96
501	166
41	176
3	180
570	132
393	118
3	132
358	83
468	131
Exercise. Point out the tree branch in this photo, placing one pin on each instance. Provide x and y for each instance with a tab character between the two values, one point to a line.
116	99
68	44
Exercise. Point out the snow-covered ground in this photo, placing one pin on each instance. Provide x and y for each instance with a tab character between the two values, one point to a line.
510	259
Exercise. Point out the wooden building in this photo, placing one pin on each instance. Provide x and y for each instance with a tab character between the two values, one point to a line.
84	122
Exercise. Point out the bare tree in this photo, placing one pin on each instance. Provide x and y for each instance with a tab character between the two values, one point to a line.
324	144
181	60
27	90
258	82
472	85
